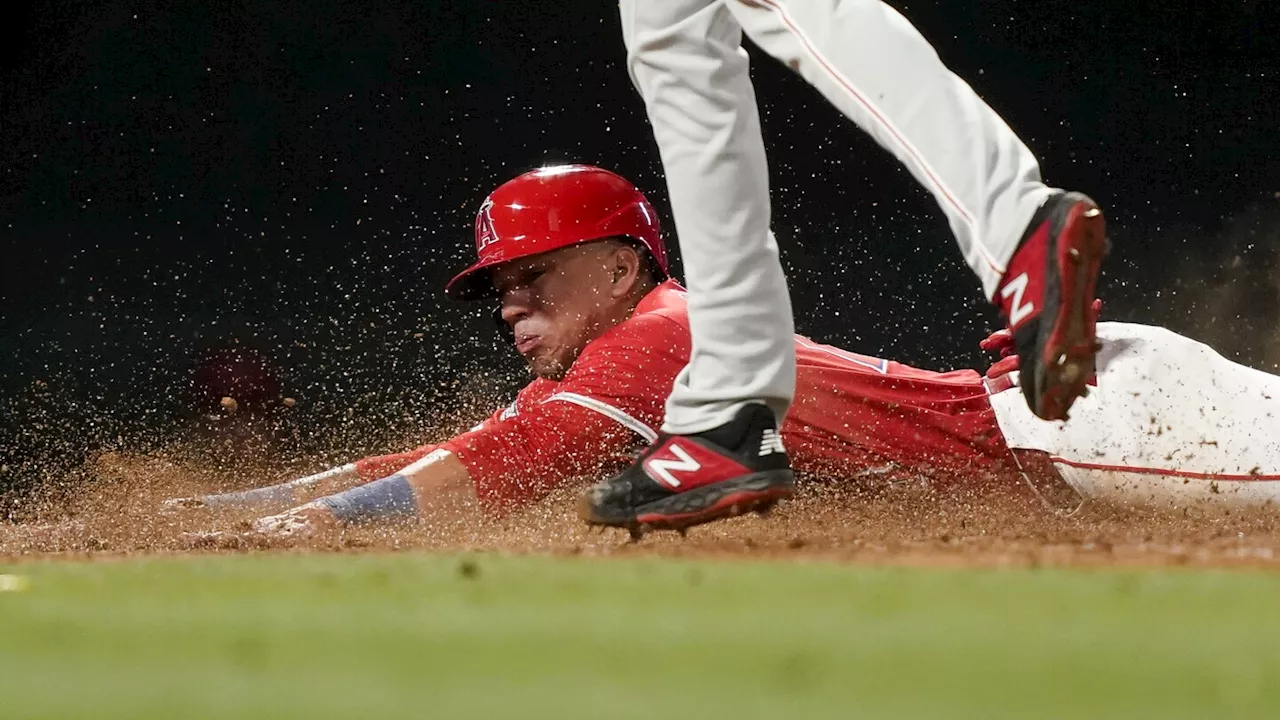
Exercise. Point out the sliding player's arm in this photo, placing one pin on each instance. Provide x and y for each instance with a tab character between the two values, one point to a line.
555	433
317	485
307	488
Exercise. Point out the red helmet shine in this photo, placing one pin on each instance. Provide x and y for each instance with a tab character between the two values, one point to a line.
551	208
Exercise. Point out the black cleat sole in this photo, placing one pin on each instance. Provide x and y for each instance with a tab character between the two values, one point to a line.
1068	343
758	492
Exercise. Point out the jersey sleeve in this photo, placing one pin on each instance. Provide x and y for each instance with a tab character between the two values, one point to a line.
611	401
380	466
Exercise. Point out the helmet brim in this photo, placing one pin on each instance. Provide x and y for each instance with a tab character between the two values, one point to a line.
474	283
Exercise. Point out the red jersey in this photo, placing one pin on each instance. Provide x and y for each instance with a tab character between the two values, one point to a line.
852	414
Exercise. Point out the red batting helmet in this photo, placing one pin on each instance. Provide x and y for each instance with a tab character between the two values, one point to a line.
551	208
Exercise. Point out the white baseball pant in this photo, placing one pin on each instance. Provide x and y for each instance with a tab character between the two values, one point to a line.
686	59
1171	425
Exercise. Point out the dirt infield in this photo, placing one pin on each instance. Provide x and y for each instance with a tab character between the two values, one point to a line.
116	515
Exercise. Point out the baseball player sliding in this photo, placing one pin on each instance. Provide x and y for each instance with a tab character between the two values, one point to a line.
573	256
1037	250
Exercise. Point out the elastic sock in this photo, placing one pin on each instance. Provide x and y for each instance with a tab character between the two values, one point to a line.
391	496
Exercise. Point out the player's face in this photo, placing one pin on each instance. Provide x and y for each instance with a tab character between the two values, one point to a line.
556	303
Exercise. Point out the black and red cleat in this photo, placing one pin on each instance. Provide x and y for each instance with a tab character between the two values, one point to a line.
686	480
1047	295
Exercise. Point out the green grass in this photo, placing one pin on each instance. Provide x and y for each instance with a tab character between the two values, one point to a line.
409	635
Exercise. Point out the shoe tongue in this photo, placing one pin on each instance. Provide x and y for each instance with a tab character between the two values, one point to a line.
748	423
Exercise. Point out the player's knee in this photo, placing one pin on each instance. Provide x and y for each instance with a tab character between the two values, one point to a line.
1154	351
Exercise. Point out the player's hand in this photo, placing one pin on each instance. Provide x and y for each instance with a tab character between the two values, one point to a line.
176	505
305	522
1000	341
312	520
999	376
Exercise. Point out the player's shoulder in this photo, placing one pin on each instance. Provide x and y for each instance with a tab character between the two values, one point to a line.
639	340
655	323
529	396
537	389
661	319
652	339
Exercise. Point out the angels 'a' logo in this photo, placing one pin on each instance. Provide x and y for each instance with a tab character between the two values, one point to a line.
485	236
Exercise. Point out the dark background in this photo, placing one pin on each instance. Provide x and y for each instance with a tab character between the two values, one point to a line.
299	180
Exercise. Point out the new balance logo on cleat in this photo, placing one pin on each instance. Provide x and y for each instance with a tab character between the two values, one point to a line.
1019	310
663	468
770	443
1047	295
682	481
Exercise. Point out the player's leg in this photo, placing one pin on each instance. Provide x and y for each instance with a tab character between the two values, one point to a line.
686	59
1171	425
877	69
873	65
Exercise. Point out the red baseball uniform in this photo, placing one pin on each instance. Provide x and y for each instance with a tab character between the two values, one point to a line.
852	414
